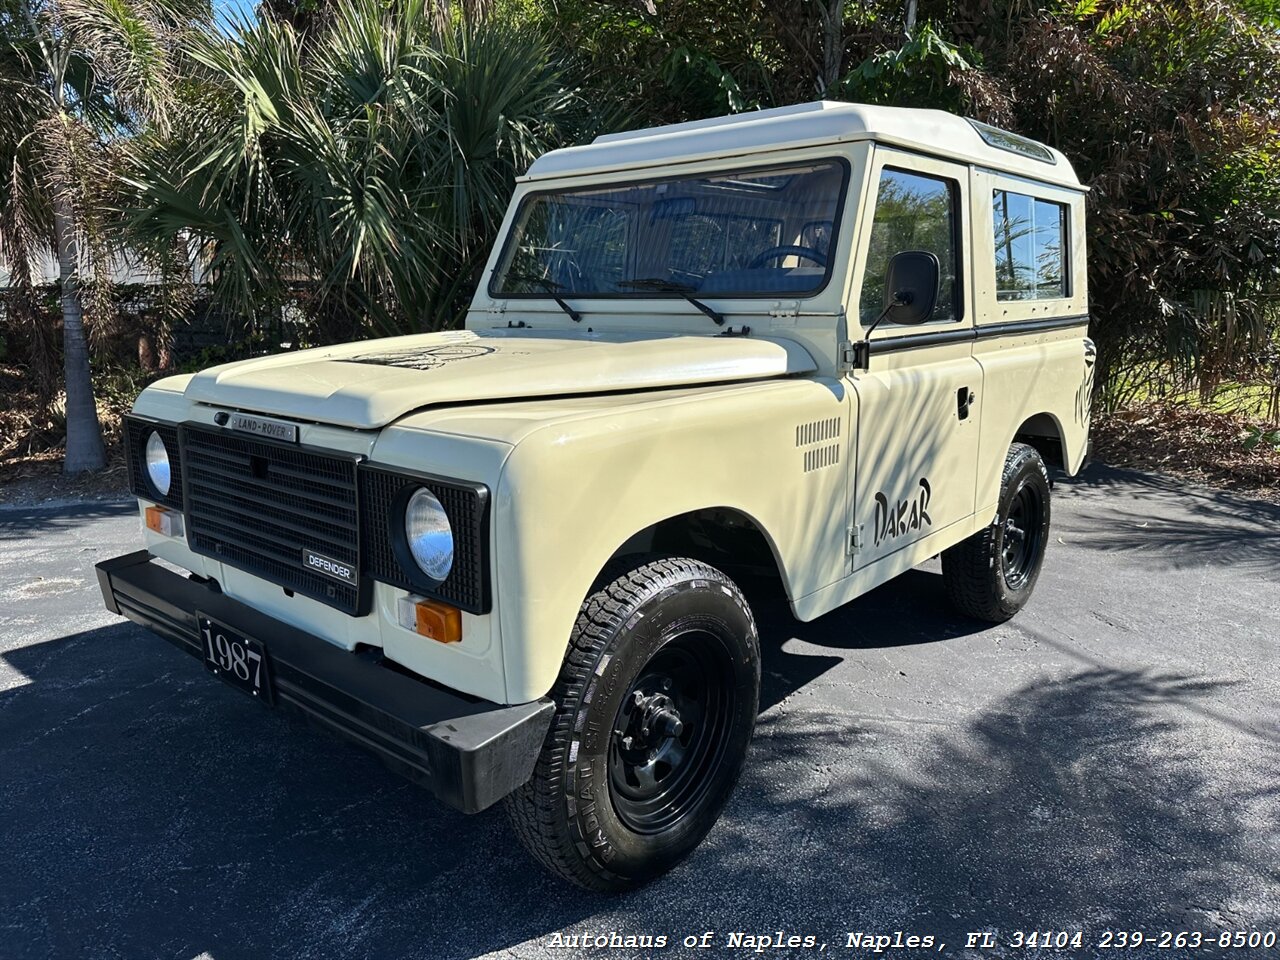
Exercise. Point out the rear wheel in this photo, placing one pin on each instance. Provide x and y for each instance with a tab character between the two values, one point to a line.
656	704
991	574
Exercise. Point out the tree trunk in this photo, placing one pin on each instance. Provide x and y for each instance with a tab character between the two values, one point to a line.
84	434
831	13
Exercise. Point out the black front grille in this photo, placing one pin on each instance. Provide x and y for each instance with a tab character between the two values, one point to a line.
260	506
383	495
136	432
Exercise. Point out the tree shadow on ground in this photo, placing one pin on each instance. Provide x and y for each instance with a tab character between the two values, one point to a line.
154	812
1172	522
21	523
151	811
1079	804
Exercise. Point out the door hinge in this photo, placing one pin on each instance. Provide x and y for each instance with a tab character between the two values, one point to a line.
853	355
845	356
854	543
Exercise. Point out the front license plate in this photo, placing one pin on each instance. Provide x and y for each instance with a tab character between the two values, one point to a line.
237	659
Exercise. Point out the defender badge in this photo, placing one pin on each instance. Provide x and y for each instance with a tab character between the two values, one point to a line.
329	567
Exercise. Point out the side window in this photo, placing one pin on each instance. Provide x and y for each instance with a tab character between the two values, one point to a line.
1031	258
913	212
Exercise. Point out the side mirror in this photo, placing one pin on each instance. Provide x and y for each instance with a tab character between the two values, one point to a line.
910	294
911	287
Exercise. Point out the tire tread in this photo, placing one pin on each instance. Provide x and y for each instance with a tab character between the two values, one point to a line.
534	808
968	568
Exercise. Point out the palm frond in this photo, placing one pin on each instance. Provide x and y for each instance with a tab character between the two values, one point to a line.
373	161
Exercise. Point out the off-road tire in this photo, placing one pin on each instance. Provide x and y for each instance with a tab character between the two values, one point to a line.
974	572
568	814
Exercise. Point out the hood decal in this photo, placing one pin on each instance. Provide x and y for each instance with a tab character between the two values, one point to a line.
422	358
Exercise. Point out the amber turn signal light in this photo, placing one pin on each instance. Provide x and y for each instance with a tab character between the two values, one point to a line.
165	522
431	619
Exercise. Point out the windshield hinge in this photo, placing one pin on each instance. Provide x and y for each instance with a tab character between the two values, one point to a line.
785	311
855	539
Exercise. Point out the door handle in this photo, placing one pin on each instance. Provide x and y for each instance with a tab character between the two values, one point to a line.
964	400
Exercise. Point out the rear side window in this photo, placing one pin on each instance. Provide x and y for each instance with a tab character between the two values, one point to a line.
1031	256
913	212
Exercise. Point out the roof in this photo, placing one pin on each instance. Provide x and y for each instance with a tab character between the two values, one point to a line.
811	124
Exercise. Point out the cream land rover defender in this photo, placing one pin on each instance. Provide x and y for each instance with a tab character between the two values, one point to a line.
827	341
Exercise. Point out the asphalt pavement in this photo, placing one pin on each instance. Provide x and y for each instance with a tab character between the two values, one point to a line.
1106	761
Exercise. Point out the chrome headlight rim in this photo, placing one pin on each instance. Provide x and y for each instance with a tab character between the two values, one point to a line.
428	534
157	464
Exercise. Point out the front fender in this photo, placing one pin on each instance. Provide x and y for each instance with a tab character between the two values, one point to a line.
574	490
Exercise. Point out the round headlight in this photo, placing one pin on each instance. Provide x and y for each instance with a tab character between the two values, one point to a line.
158	471
430	537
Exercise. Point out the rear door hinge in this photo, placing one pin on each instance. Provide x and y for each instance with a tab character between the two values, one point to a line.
854	543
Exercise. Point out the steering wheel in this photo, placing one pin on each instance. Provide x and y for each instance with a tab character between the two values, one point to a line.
787	250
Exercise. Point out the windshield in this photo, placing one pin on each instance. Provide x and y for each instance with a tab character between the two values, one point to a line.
755	232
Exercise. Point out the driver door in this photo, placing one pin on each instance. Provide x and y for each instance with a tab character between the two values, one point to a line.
918	416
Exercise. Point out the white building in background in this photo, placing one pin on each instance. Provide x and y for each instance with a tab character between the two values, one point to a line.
124	269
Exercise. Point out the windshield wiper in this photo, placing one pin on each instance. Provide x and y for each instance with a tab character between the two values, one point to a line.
574	315
670	286
552	287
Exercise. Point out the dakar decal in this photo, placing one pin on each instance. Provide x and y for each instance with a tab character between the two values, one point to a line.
905	516
423	358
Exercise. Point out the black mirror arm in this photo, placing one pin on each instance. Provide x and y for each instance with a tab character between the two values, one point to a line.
862	349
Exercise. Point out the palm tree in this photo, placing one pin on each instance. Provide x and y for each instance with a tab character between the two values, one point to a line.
76	76
370	160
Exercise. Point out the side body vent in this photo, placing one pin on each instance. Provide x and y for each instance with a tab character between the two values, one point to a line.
809	435
817	431
820	457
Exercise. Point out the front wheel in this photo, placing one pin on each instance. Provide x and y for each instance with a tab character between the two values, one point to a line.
656	704
991	574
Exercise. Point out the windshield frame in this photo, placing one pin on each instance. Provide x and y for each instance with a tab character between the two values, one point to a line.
744	171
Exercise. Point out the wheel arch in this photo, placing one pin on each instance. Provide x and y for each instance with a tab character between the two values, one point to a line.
728	538
1044	432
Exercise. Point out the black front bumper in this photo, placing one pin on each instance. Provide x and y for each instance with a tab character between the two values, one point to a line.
470	753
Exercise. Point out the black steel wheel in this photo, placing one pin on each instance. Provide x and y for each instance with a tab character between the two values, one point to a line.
656	705
991	574
669	736
1021	547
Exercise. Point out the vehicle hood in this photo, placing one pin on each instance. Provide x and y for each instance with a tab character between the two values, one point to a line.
369	384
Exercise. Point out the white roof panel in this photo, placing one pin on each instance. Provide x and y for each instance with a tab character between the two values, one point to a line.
807	124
